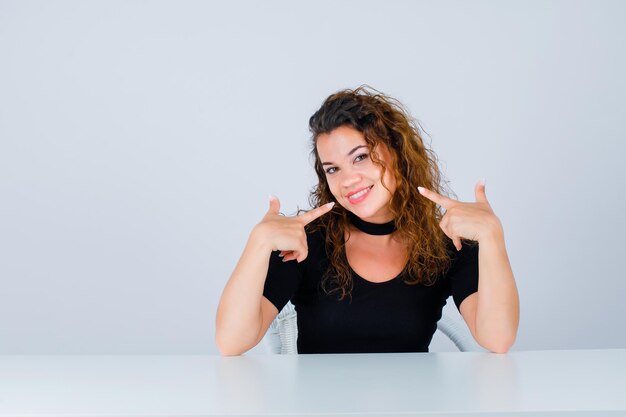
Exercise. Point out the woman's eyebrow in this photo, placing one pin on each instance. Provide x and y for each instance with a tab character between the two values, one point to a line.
349	153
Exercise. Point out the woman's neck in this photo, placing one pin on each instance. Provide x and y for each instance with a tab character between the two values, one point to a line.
375	229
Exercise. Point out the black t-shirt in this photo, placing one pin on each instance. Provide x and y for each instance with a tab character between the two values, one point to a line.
391	316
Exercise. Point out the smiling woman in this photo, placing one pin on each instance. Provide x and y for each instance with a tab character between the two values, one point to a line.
354	178
371	266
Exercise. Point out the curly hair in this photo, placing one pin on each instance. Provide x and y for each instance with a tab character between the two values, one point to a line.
382	119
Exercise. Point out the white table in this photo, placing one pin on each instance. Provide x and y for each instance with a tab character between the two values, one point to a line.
538	383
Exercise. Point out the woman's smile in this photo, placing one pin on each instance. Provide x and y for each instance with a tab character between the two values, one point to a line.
358	196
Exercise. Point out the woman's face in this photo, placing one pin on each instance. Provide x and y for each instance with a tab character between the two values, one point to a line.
354	179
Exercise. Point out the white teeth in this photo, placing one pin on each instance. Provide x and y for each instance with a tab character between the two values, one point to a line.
359	194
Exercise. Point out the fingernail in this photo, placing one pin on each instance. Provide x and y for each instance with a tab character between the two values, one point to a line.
272	197
420	189
280	255
331	204
482	182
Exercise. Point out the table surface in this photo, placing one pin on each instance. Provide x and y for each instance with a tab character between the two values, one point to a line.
539	383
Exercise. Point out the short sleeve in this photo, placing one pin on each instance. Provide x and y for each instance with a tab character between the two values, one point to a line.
464	272
281	281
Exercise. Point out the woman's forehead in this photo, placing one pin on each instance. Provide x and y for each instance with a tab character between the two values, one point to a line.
339	142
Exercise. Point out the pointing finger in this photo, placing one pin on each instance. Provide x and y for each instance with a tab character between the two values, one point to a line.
443	201
309	216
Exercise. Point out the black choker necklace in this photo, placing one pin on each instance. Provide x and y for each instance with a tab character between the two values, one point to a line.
372	228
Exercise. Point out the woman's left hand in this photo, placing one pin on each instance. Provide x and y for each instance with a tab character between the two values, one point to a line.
473	221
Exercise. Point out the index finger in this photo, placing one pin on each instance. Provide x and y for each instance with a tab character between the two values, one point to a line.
309	216
443	201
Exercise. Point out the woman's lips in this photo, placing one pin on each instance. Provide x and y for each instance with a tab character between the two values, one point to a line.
360	195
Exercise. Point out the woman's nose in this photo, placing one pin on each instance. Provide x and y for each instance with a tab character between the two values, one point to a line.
350	178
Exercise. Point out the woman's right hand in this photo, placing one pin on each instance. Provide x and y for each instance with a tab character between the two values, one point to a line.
287	234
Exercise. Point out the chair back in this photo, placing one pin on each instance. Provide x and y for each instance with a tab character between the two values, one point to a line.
282	335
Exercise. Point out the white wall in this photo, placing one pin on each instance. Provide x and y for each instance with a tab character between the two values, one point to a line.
139	142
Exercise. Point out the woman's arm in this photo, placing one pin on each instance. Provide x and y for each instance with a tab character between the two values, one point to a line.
243	314
492	313
242	319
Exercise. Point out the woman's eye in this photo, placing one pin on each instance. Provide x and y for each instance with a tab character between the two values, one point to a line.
360	157
331	170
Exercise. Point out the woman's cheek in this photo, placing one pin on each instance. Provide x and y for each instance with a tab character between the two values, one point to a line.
333	191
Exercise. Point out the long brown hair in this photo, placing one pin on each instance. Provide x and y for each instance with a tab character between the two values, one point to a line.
382	119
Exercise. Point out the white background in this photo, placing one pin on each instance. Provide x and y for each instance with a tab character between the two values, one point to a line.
139	142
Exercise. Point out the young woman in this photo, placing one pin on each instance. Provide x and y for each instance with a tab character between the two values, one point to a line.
371	266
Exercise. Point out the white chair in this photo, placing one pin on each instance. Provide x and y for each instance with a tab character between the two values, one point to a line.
282	335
